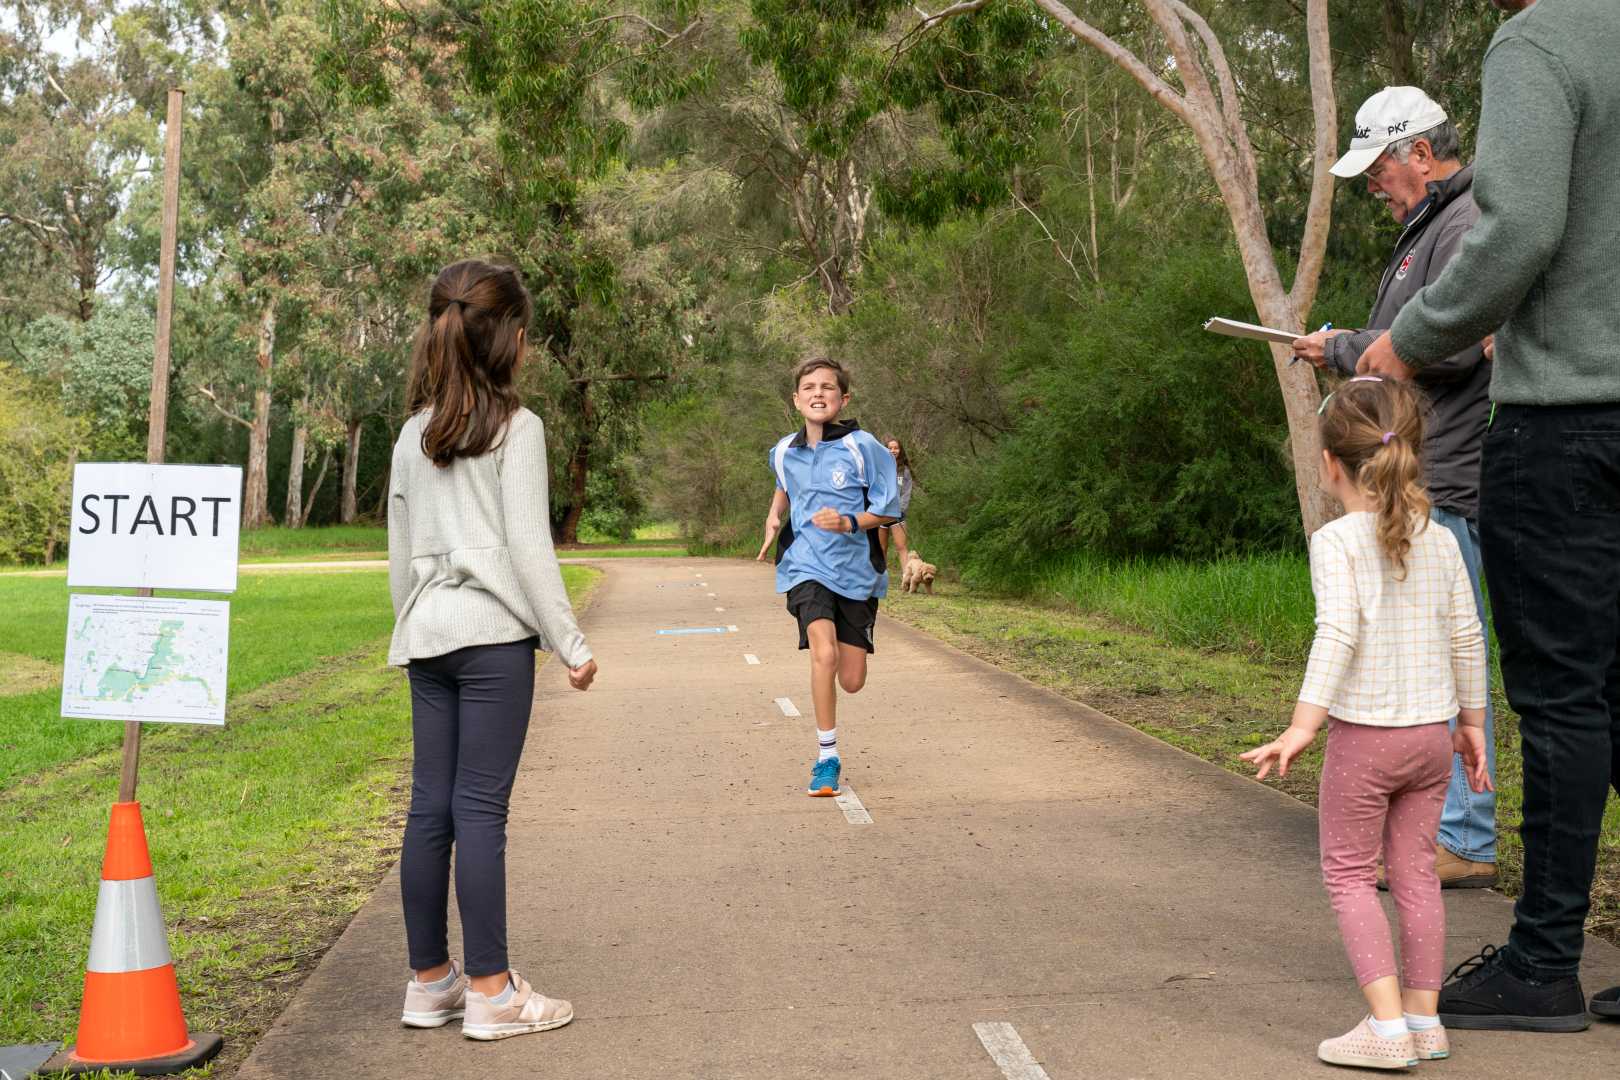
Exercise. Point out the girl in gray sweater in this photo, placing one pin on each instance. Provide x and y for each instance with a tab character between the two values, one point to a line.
476	589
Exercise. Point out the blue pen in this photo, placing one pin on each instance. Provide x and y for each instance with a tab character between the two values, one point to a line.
1325	326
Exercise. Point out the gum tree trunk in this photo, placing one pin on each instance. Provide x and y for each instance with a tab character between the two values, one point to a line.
256	499
351	472
295	478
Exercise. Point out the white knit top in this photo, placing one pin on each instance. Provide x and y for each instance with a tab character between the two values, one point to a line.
470	559
1392	652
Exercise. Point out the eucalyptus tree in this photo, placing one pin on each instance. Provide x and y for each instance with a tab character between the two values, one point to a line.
76	141
555	84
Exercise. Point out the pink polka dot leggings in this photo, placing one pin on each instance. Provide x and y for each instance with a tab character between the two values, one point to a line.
1384	788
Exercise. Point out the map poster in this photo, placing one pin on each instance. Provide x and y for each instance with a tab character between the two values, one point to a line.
146	658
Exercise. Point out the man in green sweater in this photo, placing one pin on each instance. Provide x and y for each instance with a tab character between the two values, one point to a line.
1538	269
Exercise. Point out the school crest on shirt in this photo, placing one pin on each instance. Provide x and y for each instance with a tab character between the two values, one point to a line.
839	477
1406	264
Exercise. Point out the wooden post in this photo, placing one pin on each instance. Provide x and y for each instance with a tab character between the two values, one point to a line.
158	413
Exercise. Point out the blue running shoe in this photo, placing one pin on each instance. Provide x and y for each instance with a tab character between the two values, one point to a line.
824	777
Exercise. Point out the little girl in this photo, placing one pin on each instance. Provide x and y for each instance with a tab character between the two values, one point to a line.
476	589
1398	653
902	467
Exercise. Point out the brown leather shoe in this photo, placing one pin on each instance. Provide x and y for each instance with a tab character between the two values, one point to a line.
1455	872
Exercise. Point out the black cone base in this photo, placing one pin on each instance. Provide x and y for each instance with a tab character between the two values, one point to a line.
204	1047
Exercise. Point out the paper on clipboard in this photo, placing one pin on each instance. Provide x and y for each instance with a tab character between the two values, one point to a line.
1233	328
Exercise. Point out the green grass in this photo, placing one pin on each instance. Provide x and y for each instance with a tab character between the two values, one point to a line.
649	552
1259	606
330	541
281	625
658	530
653	532
266	836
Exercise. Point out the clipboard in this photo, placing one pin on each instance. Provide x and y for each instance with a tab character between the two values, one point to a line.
1233	328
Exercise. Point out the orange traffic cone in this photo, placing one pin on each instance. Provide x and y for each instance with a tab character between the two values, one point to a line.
131	1016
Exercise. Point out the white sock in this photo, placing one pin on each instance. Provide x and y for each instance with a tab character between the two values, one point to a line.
829	743
1387	1029
1414	1022
441	985
505	995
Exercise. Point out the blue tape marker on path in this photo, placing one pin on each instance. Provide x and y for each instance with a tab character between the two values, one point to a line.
697	630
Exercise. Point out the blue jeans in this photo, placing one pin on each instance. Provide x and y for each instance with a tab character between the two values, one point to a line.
1468	822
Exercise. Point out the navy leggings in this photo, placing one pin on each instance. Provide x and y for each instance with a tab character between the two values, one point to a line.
469	715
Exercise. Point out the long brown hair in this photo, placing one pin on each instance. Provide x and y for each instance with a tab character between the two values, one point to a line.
1375	428
900	461
463	361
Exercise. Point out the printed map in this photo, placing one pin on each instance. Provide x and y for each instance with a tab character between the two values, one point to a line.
146	658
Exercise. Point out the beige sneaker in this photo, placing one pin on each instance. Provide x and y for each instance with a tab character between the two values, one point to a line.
524	1011
426	1009
1365	1049
1431	1045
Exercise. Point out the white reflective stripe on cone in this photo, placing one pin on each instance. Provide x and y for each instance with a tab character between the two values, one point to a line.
128	933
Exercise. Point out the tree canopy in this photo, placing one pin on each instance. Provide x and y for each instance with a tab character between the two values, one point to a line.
1008	216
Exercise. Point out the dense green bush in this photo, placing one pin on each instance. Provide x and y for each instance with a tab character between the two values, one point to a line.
38	443
1141	436
613	503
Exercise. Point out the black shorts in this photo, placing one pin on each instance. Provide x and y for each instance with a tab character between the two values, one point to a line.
853	620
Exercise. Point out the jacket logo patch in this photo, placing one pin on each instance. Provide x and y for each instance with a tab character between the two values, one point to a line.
840	476
1406	264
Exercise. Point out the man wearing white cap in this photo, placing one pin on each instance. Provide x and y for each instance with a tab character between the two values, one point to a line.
1408	150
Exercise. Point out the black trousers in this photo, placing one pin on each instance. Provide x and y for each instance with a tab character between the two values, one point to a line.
469	715
1550	532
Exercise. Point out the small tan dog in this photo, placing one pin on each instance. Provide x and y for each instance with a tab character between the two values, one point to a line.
917	574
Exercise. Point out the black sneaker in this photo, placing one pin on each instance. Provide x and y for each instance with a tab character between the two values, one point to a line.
1483	993
1607	1002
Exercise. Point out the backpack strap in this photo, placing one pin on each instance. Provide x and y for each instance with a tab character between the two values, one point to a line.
854	449
779	460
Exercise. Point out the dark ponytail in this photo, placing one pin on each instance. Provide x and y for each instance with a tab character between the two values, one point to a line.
465	357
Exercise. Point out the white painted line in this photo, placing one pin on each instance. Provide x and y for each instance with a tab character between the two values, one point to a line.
1008	1051
733	629
712	594
750	658
787	707
719	609
850	804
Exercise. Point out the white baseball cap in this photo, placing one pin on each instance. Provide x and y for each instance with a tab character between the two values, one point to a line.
1392	114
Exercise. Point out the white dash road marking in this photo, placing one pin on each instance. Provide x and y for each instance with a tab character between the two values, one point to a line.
750	658
1008	1051
733	629
719	609
712	594
787	707
854	812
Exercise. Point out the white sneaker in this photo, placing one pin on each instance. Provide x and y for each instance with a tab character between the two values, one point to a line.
1361	1047
524	1012
1431	1045
425	1008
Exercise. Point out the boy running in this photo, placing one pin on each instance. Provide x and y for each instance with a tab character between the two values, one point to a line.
838	482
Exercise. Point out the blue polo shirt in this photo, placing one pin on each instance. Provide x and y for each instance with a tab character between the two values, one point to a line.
851	472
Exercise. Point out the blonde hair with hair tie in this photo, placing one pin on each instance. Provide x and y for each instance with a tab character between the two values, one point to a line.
1374	427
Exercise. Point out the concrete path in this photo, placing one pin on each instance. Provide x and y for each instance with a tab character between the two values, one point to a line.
1037	884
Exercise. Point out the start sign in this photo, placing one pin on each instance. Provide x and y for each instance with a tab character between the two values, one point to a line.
146	526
